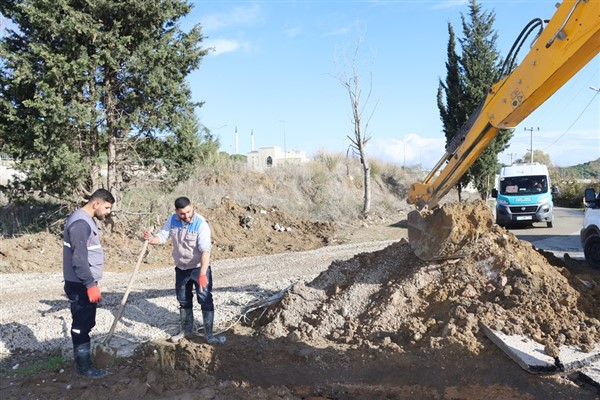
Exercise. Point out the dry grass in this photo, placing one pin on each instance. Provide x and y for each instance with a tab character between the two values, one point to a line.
328	188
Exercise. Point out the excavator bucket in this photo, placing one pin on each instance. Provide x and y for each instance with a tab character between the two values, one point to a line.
443	232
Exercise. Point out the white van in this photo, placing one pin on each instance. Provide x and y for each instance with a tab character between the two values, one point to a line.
524	195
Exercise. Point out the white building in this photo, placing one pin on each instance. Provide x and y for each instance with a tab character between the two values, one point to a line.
7	173
272	157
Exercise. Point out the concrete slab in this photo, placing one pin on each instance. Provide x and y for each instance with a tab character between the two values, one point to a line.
530	355
591	374
526	352
571	358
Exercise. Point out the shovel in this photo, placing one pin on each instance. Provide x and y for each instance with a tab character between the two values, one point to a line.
103	355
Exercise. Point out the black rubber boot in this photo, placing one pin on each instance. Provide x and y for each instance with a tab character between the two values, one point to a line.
208	318
186	323
83	362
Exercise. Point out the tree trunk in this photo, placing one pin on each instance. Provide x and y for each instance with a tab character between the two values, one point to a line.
113	184
367	179
95	176
114	176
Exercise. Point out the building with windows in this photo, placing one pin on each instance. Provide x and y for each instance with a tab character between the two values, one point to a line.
273	157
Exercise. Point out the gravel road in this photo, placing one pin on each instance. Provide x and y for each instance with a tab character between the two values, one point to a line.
34	311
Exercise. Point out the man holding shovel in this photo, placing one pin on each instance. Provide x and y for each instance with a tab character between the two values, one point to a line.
83	264
190	233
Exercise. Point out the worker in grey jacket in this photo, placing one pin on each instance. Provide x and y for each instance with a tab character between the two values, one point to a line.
83	264
190	234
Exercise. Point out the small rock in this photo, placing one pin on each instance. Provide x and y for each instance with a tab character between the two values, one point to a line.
503	281
470	291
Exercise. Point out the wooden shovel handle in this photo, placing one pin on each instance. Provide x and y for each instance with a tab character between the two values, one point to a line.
124	300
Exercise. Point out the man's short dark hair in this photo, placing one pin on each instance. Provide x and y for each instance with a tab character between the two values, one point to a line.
104	195
181	202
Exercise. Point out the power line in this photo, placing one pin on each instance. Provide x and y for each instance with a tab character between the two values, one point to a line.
576	119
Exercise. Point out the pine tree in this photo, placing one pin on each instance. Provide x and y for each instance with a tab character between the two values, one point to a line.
85	82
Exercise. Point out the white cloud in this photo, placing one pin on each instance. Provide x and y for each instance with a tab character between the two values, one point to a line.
409	150
239	16
222	46
565	149
338	32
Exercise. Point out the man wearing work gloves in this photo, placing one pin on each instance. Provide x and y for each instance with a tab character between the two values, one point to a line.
191	253
83	264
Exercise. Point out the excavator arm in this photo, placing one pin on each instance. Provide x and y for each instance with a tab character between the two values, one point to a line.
570	39
567	43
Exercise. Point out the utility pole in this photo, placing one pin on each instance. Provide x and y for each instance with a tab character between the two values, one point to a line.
511	157
531	143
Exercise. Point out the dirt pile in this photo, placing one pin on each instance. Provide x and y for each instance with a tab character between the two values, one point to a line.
237	231
240	231
391	299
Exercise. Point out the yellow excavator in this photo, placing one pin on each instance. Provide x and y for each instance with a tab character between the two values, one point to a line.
567	42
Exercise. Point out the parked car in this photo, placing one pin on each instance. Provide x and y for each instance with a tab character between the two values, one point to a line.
590	233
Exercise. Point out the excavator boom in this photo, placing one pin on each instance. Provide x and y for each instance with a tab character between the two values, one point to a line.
567	43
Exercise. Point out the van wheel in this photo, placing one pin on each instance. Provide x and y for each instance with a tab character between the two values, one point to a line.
549	224
591	251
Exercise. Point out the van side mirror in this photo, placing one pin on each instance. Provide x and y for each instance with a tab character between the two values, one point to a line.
589	198
495	193
554	190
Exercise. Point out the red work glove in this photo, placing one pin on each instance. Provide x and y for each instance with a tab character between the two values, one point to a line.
94	294
203	281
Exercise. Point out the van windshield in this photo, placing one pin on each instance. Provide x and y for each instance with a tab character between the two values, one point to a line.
519	185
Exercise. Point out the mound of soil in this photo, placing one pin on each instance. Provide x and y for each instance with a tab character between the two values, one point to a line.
392	299
253	230
237	231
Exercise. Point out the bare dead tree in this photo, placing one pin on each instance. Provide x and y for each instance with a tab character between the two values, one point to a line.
360	138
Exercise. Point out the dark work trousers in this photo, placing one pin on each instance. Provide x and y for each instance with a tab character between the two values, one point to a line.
186	280
83	312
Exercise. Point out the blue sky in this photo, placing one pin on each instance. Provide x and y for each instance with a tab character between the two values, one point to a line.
273	75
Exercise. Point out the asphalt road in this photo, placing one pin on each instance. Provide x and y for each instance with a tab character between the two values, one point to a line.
562	238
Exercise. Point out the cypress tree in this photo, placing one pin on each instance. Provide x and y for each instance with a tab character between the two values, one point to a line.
478	69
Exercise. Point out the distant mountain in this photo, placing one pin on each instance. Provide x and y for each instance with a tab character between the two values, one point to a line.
588	170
